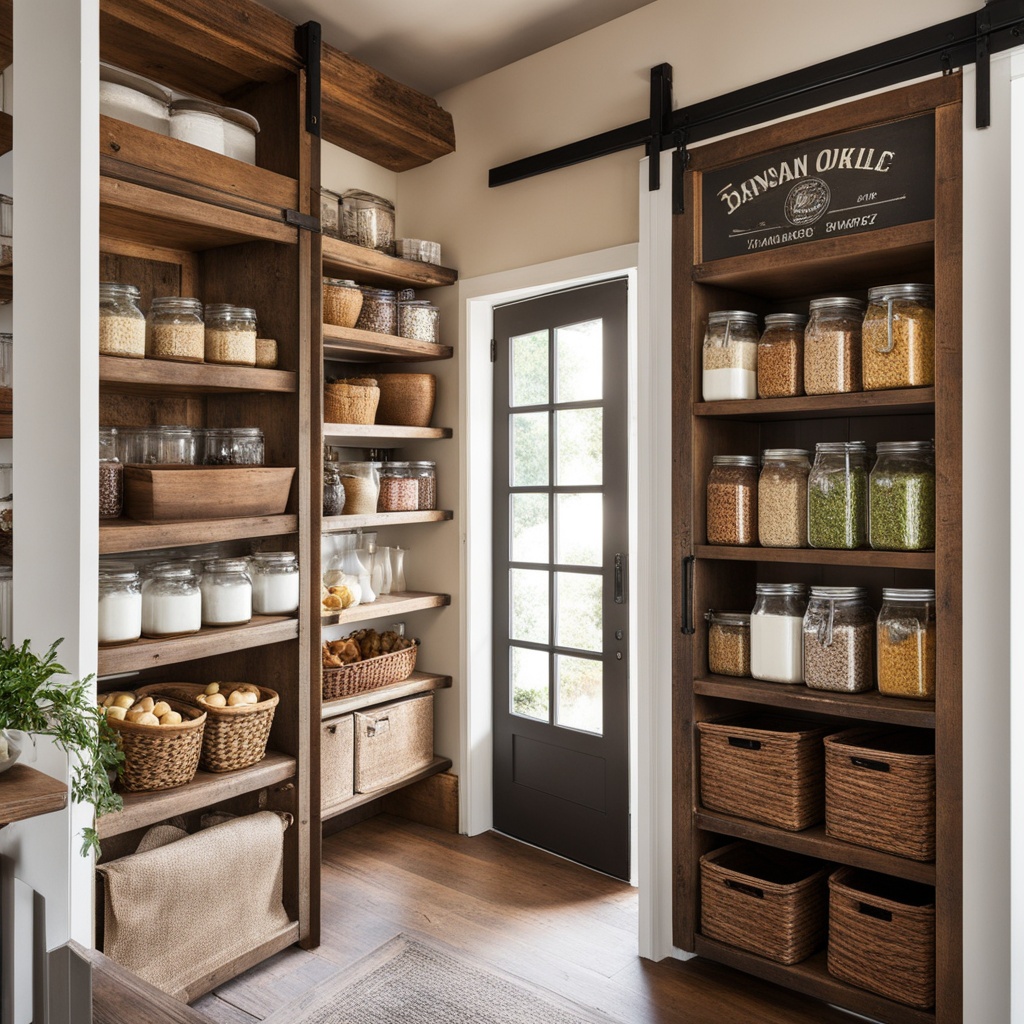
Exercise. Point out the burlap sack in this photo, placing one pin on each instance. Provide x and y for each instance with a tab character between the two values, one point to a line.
174	914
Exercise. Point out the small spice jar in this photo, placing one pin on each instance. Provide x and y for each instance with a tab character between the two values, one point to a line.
839	640
361	481
334	490
837	496
379	312
368	220
730	356
343	301
330	213
426	484
174	330
399	489
176	446
906	643
901	497
230	334
111	475
732	500
226	592
782	498
899	337
728	643
418	320
119	613
172	604
122	323
780	356
233	446
275	583
832	343
776	632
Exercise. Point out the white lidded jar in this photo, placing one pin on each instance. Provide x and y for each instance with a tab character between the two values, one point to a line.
198	122
776	632
136	100
226	592
730	356
171	601
119	613
275	583
240	131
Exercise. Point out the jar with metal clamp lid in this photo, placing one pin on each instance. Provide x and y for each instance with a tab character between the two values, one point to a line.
730	356
832	343
899	337
839	640
906	643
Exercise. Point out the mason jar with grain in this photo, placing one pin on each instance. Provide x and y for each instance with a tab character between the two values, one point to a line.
233	446
832	344
230	334
418	320
425	473
780	356
730	356
899	337
837	496
111	475
175	331
368	220
728	643
122	323
901	497
906	643
732	500
379	312
399	489
839	640
782	498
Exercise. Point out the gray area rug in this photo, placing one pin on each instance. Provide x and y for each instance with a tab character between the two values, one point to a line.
407	981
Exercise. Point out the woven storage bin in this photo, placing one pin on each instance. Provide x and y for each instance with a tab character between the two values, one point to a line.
763	768
353	401
769	902
234	737
406	399
880	790
160	756
370	674
881	935
337	764
393	741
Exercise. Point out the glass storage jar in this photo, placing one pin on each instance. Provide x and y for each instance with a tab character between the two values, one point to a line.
111	475
839	640
361	481
275	583
226	592
732	500
230	334
837	496
334	490
119	613
233	446
368	220
174	330
379	312
906	643
399	490
122	323
426	484
901	497
776	627
782	498
171	601
177	446
139	445
730	356
330	213
832	346
728	643
899	337
418	320
343	301
6	360
780	356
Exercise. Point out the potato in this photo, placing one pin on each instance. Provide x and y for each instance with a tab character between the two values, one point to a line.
170	718
160	708
236	698
216	700
146	704
147	718
115	712
124	700
212	688
250	697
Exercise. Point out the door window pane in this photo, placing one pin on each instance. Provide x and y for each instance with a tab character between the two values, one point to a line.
579	357
529	363
580	693
529	431
579	449
528	527
528	671
579	528
528	605
579	618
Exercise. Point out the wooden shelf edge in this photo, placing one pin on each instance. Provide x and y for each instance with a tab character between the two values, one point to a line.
121	535
372	267
27	793
364	432
864	557
118	373
388	605
348	343
334	524
439	764
910	401
418	682
811	977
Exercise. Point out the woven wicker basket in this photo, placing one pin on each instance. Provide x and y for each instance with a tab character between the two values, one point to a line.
391	741
881	935
406	399
234	737
160	756
769	902
880	790
351	401
763	768
370	674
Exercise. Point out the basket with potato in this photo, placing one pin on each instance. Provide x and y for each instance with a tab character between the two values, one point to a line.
238	720
366	660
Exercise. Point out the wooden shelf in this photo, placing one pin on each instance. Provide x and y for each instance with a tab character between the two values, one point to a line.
388	605
351	345
147	376
27	793
815	843
898	402
145	654
924	560
871	706
120	535
332	524
418	682
812	978
143	809
367	434
368	266
439	764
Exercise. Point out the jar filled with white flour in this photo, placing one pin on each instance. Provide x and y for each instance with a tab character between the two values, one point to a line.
776	632
171	601
226	592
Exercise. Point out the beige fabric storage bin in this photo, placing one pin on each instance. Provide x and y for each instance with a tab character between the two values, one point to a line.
177	913
337	764
393	740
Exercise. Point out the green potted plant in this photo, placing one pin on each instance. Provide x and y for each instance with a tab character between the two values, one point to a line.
35	699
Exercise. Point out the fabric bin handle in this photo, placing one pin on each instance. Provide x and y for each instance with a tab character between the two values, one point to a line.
749	890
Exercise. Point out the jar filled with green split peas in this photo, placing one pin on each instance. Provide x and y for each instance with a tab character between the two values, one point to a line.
901	497
837	496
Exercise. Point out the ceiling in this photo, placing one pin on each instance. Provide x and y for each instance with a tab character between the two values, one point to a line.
433	45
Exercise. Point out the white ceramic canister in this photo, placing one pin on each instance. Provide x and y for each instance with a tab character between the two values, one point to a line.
119	613
171	602
136	100
199	123
275	583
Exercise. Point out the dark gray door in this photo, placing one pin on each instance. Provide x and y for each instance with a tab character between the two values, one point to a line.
561	681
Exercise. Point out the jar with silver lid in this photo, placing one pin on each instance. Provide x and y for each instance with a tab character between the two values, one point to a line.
230	334
399	490
776	628
901	497
780	356
906	643
226	592
782	498
730	356
728	643
111	475
368	220
119	613
839	640
172	604
837	496
174	330
732	500
233	446
832	344
425	474
122	323
418	320
275	583
379	312
899	337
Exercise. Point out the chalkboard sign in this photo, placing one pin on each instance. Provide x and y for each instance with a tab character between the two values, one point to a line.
840	185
